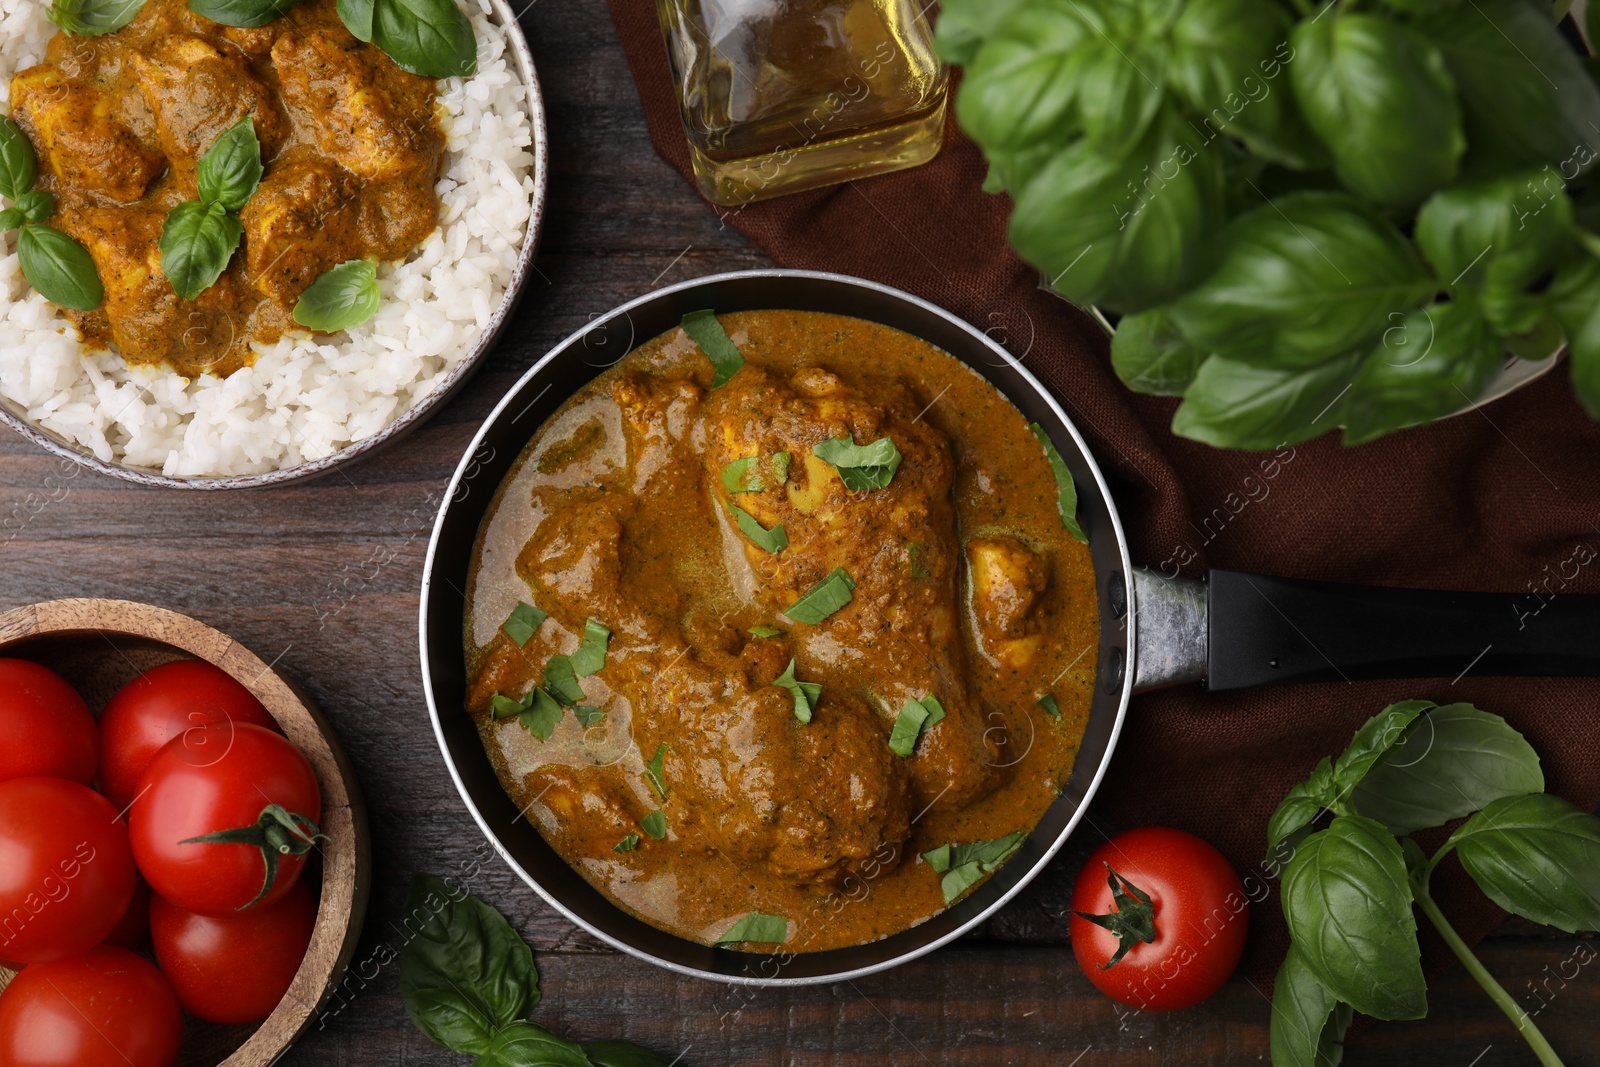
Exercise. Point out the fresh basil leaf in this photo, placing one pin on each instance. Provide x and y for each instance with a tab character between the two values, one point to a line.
523	623
860	466
1302	804
623	1054
1537	856
60	268
1087	222
246	14
503	707
1347	902
587	715
1429	365
18	167
93	18
706	332
964	25
1066	489
343	298
935	711
464	972
196	244
822	599
938	858
764	630
357	18
230	171
915	552
1237	405
1151	355
11	218
756	927
805	694
1381	98
1575	299
907	728
1021	85
1525	96
655	824
1307	1026
958	879
36	205
1050	706
541	714
1304	280
1117	100
523	1044
561	679
627	844
1374	740
774	540
431	38
655	772
964	866
990	854
590	658
756	474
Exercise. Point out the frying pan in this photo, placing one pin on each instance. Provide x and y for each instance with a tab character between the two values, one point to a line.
1231	630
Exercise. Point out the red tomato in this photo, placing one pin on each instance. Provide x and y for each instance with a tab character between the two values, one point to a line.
106	1008
225	777
233	969
66	873
133	929
159	705
45	727
1183	942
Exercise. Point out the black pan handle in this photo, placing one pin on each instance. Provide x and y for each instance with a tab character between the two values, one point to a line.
1265	631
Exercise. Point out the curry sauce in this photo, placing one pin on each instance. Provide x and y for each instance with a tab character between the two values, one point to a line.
966	588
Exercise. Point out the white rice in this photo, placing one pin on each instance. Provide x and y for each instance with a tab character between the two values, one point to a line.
302	399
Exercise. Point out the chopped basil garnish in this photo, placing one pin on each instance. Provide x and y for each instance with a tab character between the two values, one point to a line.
756	927
704	330
523	623
914	552
654	773
504	707
542	715
916	717
805	694
964	866
1048	703
1066	491
655	824
562	680
627	844
766	631
774	540
756	474
342	298
591	654
822	599
587	714
860	466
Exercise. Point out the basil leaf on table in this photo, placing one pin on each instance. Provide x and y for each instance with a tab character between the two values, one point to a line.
612	1053
1236	405
1151	355
465	973
1457	760
1303	280
1433	362
774	540
707	333
93	18
1380	97
1308	1022
524	1044
590	657
196	244
357	18
1372	741
59	268
245	14
1347	903
1302	804
804	694
343	298
1525	97
757	927
1020	89
35	205
523	622
19	169
1575	300
431	38
1083	222
1066	488
869	466
1537	856
823	599
230	171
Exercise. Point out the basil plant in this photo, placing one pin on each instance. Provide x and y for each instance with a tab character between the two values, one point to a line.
1307	215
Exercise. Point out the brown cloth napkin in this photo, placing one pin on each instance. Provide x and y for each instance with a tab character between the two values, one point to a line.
1495	500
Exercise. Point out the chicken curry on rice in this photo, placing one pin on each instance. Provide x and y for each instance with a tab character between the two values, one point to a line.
802	666
351	143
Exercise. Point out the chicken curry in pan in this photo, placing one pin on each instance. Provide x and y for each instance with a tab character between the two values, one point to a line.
121	122
779	614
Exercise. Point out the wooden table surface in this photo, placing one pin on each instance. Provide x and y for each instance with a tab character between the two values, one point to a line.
322	579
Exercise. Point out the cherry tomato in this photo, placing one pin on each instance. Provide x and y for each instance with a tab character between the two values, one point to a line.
248	785
234	969
133	929
66	873
106	1008
45	727
159	705
1171	931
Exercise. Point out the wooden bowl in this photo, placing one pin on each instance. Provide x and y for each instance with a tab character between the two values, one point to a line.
98	646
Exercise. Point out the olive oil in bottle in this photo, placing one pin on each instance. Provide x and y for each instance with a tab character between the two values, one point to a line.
779	96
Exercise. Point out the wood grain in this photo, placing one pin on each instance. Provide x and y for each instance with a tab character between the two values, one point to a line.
323	579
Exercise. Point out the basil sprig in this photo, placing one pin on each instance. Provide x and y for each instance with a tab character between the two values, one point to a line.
430	38
57	266
343	298
93	18
469	983
869	466
201	236
1355	875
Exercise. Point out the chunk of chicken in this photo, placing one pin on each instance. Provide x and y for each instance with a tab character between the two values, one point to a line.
80	140
1008	579
297	226
197	92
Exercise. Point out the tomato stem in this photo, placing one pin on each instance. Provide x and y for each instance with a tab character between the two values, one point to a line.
1133	919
